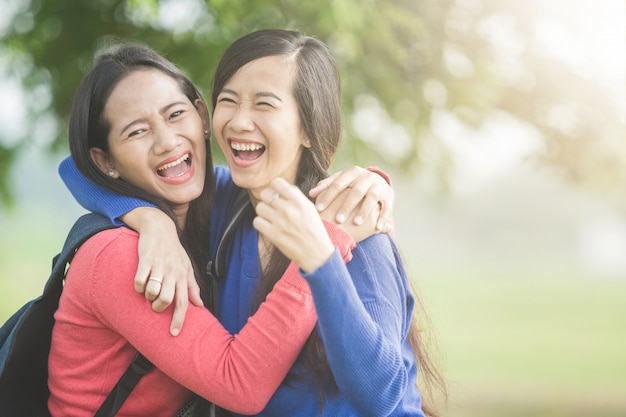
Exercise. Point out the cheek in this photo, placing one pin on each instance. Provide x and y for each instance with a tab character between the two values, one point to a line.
293	128
219	121
131	159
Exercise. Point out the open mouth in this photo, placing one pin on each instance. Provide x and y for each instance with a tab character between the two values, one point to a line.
175	168
246	151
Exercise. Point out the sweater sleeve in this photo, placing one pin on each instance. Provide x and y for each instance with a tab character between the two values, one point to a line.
382	173
239	372
95	198
363	330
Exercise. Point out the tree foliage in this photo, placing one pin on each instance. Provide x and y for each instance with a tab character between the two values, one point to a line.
401	62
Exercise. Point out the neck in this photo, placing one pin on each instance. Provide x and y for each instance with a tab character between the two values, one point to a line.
180	213
253	197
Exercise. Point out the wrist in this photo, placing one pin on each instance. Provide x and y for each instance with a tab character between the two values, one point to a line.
322	256
145	218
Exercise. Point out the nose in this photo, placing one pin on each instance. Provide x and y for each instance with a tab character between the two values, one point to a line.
165	139
241	120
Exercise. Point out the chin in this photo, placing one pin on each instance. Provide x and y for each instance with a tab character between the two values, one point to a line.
244	180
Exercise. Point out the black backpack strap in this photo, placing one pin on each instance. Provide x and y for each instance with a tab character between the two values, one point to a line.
140	365
24	353
241	207
85	227
137	369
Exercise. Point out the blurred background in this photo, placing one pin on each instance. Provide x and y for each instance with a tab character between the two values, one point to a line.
502	123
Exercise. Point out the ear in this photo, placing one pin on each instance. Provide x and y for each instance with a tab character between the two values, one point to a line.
104	162
204	115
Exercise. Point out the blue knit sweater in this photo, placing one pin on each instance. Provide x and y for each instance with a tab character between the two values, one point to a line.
364	310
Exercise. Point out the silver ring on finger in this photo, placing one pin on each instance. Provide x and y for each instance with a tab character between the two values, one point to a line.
156	279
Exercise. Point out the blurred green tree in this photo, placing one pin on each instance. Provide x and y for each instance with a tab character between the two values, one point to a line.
401	61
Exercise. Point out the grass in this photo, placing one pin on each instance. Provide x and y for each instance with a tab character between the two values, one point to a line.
522	344
32	239
514	342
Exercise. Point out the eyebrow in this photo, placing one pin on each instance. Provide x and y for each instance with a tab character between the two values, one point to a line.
259	94
142	120
267	94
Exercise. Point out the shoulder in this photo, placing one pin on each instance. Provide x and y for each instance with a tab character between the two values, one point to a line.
222	177
117	244
377	268
106	237
225	192
102	264
378	248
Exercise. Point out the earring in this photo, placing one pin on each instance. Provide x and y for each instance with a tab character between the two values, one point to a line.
111	173
206	132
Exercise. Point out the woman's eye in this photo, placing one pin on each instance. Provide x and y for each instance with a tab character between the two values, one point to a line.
136	132
225	100
264	103
176	114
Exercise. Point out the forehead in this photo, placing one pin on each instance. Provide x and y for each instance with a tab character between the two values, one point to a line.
276	71
142	86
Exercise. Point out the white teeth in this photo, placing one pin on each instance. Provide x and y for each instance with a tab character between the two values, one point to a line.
245	146
174	163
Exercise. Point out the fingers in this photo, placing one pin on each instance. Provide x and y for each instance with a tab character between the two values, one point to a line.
289	220
142	275
164	294
194	290
359	194
180	308
153	287
375	215
323	185
385	223
370	205
272	205
284	189
355	187
376	192
165	274
328	189
388	227
384	195
281	205
165	291
149	277
278	192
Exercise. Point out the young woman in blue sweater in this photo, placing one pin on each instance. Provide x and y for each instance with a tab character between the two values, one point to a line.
276	117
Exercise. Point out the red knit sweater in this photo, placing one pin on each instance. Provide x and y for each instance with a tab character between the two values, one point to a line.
102	322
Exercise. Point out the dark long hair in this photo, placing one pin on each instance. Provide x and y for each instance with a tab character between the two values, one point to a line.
317	91
89	128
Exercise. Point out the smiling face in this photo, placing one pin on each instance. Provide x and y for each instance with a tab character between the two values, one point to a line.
257	124
156	138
